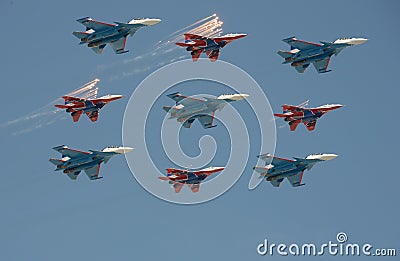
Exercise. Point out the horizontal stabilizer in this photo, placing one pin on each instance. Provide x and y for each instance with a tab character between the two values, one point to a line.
71	98
194	36
81	35
167	108
185	44
285	54
56	161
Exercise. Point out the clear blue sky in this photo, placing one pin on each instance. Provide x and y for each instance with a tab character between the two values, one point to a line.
46	216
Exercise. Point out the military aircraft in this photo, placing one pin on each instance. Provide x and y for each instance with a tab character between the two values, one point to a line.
279	168
179	177
99	34
74	161
187	109
197	44
309	116
303	53
77	106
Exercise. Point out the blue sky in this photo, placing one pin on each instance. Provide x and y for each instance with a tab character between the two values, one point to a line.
46	216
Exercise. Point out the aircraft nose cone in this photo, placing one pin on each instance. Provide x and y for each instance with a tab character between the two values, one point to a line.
324	156
125	149
358	40
233	97
240	96
152	21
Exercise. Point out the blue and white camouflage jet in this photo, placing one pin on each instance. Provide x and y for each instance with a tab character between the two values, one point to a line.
277	169
303	53
74	161
187	109
99	34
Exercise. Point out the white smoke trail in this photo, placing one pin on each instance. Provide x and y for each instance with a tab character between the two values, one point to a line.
165	51
48	114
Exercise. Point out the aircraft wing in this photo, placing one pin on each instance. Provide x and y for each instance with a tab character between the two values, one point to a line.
93	172
99	49
310	124
302	68
72	99
71	153
300	44
277	182
275	161
93	115
119	45
184	100
206	121
295	180
173	170
95	25
322	65
213	55
194	36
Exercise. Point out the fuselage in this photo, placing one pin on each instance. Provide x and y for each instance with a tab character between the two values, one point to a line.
319	52
292	168
211	44
310	56
307	114
98	38
207	107
193	177
203	107
91	105
114	32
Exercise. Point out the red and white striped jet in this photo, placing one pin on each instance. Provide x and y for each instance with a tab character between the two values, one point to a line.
198	44
179	177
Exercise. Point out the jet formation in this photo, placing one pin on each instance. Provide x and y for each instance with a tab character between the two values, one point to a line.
180	177
198	44
77	106
74	161
277	169
303	53
99	34
295	115
188	109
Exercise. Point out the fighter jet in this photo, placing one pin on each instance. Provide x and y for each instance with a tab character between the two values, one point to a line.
77	106
197	44
179	177
74	161
279	168
187	109
295	115
303	53
99	34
